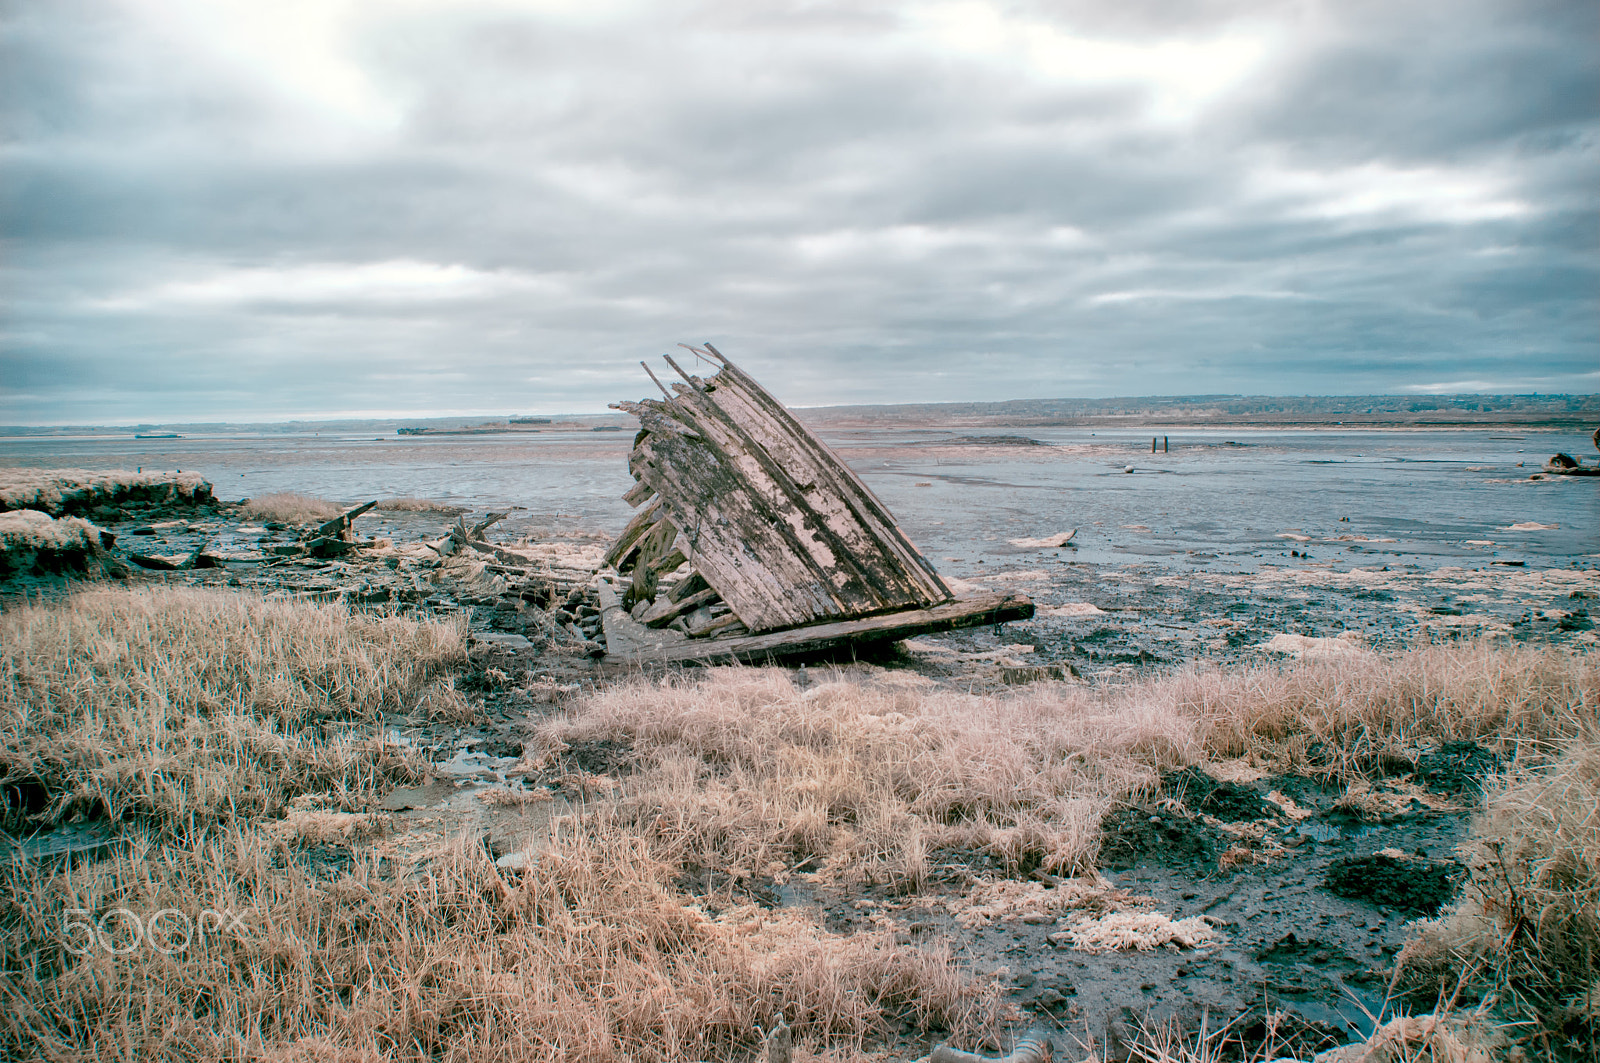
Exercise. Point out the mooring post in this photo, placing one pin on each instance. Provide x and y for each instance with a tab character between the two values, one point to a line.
1163	444
1152	444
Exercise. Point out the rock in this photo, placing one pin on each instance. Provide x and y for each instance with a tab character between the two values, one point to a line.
1023	675
503	640
1346	645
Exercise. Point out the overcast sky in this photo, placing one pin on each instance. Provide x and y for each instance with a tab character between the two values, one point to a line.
234	209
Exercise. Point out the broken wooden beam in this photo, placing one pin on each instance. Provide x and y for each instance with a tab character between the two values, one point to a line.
339	527
665	610
806	641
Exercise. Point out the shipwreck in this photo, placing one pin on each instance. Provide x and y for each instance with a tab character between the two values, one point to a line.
754	541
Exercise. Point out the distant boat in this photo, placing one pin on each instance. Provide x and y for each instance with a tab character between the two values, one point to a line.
156	435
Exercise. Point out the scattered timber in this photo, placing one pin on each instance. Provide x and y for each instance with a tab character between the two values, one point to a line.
754	541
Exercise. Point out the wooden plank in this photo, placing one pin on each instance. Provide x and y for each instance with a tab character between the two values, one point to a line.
653	546
782	526
858	573
627	637
640	524
770	517
637	493
818	638
665	610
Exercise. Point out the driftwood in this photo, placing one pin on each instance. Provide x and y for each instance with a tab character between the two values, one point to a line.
775	528
339	527
196	558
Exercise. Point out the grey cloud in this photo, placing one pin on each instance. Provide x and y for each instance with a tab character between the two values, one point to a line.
857	217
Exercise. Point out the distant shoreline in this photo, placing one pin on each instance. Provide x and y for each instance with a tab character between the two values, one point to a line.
1520	412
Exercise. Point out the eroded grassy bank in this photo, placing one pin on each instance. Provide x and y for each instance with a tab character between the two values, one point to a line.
217	727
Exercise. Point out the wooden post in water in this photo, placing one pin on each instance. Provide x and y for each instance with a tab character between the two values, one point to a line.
1163	444
1152	444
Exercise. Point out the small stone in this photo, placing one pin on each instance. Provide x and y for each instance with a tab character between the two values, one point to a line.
1039	919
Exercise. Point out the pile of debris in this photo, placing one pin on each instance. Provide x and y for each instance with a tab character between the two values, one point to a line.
754	541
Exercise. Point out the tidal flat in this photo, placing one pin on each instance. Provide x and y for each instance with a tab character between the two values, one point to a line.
1295	742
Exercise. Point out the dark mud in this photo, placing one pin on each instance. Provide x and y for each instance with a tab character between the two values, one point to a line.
1298	935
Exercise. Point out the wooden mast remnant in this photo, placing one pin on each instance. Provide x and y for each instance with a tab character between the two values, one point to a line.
773	522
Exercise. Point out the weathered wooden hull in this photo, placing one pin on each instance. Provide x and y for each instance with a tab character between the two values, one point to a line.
789	552
769	515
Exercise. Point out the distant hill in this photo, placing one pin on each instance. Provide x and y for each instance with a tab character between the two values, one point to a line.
1554	411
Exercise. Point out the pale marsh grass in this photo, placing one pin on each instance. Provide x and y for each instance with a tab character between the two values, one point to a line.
1526	926
186	705
418	505
290	507
56	491
743	769
1340	714
587	956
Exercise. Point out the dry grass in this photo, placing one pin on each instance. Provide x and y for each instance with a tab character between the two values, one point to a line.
744	770
58	491
1341	714
1526	927
290	507
247	718
189	705
29	529
589	955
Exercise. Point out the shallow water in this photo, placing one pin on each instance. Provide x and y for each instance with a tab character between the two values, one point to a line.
1219	499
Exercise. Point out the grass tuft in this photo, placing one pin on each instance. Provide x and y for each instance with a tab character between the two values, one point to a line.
589	955
58	491
1525	930
418	505
290	507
